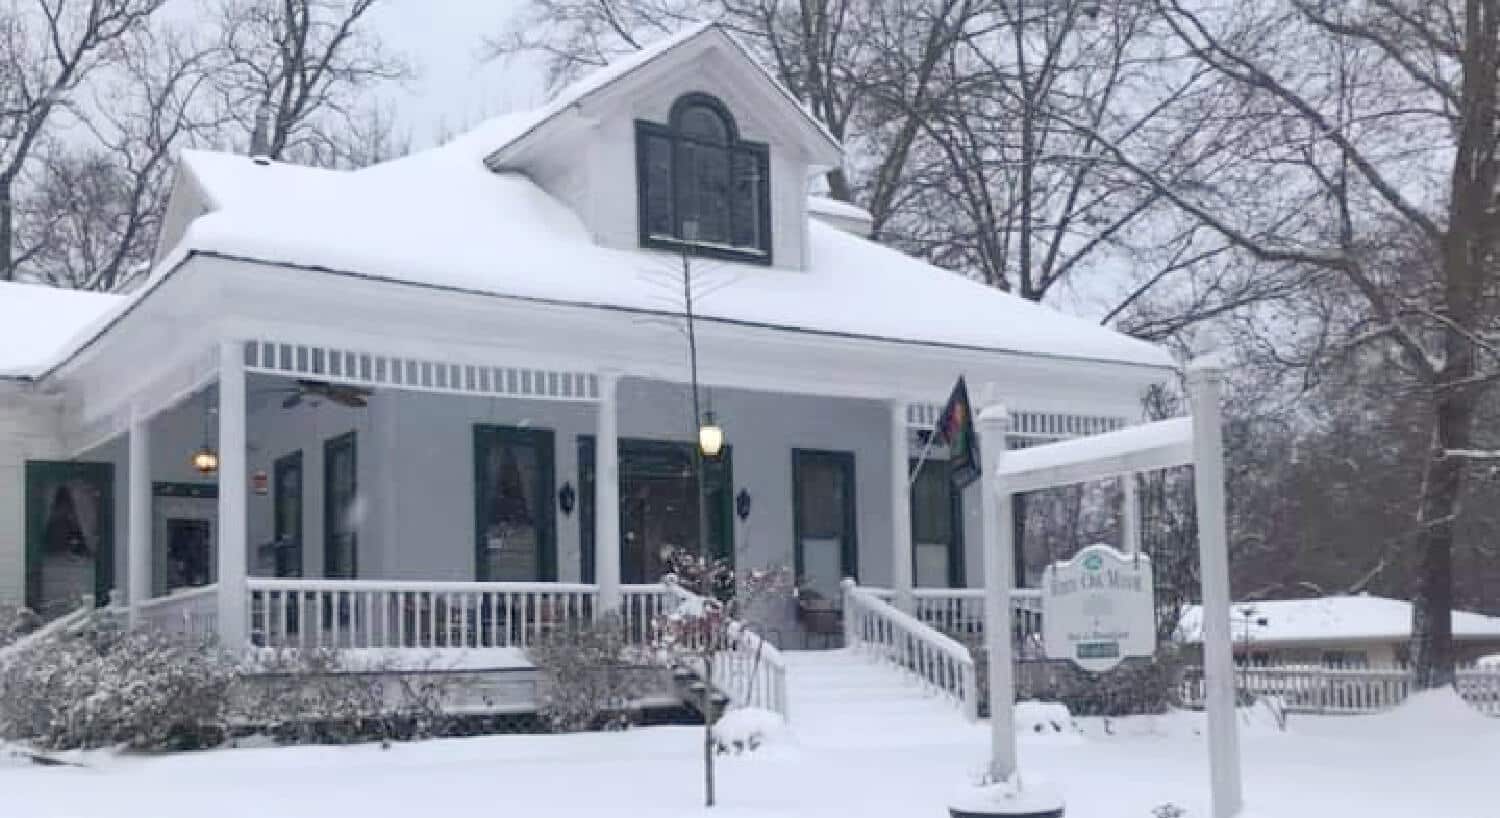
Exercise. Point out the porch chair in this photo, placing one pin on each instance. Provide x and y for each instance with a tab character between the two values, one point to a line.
820	617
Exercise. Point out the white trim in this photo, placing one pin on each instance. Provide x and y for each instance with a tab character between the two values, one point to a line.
374	369
1159	445
1027	426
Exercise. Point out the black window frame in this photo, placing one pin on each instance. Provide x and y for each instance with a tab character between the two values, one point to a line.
758	152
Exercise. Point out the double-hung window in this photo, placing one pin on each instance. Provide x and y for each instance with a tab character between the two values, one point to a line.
701	186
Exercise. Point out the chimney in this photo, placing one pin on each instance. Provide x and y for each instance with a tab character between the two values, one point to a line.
260	138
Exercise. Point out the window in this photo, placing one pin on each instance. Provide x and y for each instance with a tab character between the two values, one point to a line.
699	184
340	491
936	527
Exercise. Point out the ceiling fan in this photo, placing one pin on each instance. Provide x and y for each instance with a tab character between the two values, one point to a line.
354	397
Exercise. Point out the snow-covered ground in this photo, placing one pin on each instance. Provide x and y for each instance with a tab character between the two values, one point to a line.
1431	758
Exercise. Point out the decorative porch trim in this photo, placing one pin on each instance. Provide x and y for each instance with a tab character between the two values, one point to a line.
371	369
1027	428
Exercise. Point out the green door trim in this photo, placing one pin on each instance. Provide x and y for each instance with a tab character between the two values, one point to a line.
849	552
956	568
348	441
719	469
104	561
543	440
284	465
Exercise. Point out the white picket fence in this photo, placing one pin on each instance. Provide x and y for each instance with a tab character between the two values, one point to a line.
1314	689
897	638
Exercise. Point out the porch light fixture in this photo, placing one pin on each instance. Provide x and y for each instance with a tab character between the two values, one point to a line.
566	497
710	436
206	461
742	504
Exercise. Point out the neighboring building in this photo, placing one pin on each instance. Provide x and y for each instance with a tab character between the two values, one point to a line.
363	408
1336	631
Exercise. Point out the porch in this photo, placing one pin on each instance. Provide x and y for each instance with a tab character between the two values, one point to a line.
362	499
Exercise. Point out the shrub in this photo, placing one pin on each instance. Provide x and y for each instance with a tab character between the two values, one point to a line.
101	685
316	696
1135	687
16	622
592	676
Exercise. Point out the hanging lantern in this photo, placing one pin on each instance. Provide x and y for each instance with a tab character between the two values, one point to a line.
206	461
710	436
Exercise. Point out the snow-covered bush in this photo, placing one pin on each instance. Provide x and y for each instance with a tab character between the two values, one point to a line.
746	730
592	676
16	622
319	697
1136	687
104	686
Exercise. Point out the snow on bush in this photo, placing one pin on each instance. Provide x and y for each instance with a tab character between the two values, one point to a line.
1039	718
103	686
592	676
746	730
16	622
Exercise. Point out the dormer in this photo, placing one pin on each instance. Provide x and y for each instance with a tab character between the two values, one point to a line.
688	143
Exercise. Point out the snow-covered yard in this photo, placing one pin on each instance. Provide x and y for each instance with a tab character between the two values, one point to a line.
1430	758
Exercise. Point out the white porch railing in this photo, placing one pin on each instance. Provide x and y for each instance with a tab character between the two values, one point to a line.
640	607
1322	690
323	613
937	661
959	612
191	613
748	669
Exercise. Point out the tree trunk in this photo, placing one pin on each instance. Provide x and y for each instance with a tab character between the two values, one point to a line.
838	186
1432	605
708	729
7	250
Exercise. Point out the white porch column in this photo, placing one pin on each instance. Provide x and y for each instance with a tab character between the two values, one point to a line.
233	519
1205	377
901	545
999	579
607	495
1130	515
138	542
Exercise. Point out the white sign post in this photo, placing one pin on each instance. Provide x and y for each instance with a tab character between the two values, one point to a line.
1183	441
1098	609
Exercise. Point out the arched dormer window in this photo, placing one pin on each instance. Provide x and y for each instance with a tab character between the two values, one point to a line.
700	185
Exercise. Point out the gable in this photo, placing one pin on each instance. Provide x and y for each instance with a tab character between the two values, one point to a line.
705	52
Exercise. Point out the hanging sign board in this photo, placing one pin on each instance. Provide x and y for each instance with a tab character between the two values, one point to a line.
1097	608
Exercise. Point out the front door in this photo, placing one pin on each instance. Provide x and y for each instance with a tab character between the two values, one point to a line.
286	555
514	517
69	534
659	506
823	510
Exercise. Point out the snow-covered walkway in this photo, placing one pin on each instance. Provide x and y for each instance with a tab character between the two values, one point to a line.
1432	759
837	695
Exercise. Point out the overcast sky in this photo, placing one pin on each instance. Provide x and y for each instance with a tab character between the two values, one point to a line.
454	91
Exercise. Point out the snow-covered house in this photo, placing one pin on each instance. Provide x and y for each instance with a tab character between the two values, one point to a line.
443	398
1336	631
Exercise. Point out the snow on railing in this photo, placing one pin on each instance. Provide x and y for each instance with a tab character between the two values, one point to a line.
67	622
959	612
357	613
1324	690
748	669
192	613
937	661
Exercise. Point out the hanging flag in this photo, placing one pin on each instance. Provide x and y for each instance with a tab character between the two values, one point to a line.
955	429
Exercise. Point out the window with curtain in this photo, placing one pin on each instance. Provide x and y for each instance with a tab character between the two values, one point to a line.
701	186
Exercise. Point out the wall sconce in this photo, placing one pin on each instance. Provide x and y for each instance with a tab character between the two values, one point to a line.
566	497
742	504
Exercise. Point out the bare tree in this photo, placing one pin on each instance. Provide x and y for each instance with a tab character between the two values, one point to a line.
48	49
308	64
105	197
1370	160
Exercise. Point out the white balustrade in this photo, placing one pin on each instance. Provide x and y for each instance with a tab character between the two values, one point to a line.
191	613
321	613
1324	690
747	669
893	636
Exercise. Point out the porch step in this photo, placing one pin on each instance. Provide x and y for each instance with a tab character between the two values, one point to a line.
842	698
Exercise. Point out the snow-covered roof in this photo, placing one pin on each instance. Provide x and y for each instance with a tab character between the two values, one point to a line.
1331	619
36	321
519	126
440	218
